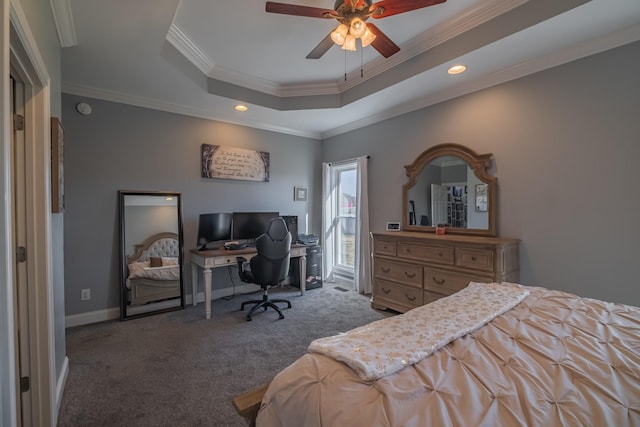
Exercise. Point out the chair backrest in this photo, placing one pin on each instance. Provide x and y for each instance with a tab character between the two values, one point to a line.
270	266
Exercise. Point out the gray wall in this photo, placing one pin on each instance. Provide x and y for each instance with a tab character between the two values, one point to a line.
121	147
566	155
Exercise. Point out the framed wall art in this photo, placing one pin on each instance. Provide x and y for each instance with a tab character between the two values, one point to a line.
224	162
57	166
299	194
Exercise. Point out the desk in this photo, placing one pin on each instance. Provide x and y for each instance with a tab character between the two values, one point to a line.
215	258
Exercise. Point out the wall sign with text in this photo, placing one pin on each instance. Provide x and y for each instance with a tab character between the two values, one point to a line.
224	162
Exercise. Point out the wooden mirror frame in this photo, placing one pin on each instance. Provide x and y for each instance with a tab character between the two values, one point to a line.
479	163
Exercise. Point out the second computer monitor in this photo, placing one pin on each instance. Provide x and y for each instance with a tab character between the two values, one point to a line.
250	225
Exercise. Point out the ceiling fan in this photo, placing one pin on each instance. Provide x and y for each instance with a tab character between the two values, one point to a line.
352	14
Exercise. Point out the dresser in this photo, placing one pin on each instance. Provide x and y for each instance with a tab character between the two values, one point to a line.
413	268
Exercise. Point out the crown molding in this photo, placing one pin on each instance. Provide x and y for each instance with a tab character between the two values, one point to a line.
616	39
183	43
170	107
63	18
434	36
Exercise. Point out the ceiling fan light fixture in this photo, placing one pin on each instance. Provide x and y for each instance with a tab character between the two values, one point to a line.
357	27
367	38
339	34
349	43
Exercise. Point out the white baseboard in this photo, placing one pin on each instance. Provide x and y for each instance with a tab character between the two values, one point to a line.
114	312
92	317
62	381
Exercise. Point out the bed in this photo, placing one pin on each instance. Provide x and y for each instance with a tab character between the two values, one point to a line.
153	271
551	359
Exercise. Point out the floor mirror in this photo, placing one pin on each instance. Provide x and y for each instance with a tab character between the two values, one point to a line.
151	253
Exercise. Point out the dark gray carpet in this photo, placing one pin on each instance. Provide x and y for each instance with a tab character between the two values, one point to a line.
178	369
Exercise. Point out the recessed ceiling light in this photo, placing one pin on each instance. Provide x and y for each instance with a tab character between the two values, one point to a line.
456	69
241	107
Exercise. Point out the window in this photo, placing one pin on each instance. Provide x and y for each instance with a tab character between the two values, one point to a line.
344	181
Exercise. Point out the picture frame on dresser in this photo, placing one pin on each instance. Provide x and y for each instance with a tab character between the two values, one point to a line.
57	166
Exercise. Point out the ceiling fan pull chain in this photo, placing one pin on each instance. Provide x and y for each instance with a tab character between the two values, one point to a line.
345	65
361	62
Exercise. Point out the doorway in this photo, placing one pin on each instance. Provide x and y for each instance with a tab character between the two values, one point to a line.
30	362
20	288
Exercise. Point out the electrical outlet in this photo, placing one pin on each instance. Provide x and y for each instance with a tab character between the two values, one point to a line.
85	294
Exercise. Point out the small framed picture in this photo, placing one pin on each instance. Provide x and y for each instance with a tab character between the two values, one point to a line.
481	197
299	194
393	226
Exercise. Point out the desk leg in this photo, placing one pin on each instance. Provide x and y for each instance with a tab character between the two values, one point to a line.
206	273
302	264
194	283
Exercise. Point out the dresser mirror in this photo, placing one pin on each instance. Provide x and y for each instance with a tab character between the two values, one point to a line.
449	187
151	253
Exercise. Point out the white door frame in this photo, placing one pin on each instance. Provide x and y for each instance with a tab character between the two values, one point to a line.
20	51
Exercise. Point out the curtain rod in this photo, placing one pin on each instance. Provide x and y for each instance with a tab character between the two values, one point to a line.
339	162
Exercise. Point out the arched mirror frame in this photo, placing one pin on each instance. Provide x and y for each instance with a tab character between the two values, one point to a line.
153	308
479	163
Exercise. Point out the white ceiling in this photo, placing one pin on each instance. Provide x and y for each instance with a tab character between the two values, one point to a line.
202	57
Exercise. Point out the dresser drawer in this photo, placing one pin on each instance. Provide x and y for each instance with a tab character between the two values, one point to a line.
429	296
447	282
476	259
405	296
406	274
440	254
384	247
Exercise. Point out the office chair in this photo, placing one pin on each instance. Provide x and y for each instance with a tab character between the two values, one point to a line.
269	267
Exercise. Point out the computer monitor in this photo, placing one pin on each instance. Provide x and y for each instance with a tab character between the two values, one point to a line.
250	225
214	229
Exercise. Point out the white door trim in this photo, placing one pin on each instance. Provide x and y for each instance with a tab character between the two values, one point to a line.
20	50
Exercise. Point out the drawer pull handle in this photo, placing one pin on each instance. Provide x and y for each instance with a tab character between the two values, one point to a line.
440	254
413	298
385	291
438	282
473	258
385	270
410	275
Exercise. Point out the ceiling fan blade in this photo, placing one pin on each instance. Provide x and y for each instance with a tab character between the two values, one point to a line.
322	48
294	9
385	8
382	43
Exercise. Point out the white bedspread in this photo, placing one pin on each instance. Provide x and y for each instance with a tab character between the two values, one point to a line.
388	345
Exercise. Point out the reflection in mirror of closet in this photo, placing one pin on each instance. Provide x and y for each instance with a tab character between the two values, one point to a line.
441	192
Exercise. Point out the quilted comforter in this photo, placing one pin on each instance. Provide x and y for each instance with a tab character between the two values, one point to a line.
554	360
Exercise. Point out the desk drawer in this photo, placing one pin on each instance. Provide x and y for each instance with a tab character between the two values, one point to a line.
405	296
476	259
447	282
440	254
406	274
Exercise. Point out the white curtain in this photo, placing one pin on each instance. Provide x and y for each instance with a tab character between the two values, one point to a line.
362	273
328	223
